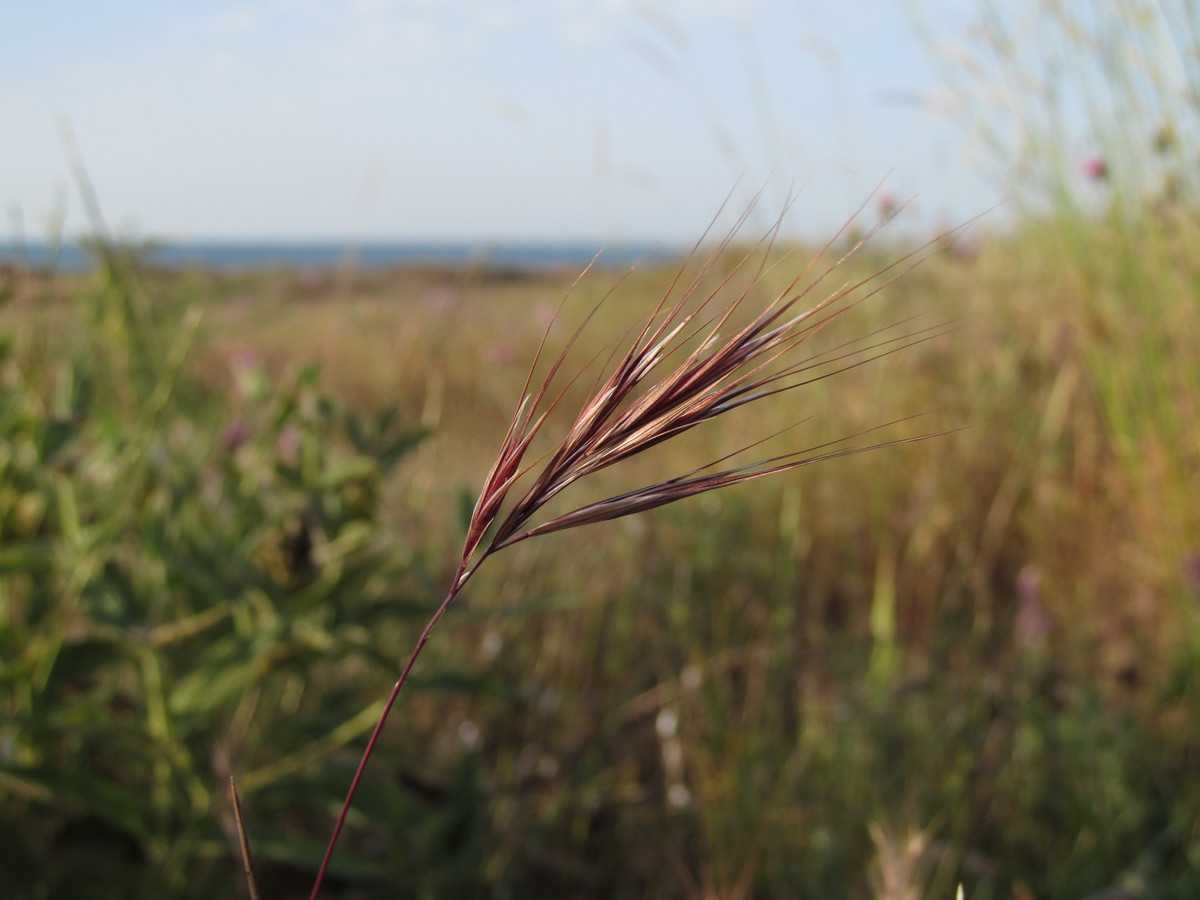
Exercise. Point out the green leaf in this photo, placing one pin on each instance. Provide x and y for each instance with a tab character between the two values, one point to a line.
56	434
453	681
211	687
356	433
83	664
279	846
400	447
310	374
68	514
28	557
79	789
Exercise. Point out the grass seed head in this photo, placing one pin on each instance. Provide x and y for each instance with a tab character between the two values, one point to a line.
645	400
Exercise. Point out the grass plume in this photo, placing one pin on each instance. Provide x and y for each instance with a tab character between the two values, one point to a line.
678	372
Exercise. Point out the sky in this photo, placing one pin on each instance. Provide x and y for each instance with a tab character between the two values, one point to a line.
474	119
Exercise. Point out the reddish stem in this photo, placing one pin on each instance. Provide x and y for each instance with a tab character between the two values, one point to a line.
460	579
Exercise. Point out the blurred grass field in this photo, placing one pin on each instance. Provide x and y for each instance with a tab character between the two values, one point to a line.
972	660
230	501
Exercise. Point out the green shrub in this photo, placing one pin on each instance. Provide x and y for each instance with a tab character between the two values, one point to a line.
190	590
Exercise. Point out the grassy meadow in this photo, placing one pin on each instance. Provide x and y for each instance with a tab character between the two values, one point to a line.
230	501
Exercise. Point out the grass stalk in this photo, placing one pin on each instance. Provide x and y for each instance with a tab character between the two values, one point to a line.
647	399
243	841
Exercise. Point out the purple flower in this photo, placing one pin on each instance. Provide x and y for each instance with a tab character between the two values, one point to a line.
1094	168
501	355
438	298
887	205
1191	571
246	368
246	358
235	434
287	446
1033	622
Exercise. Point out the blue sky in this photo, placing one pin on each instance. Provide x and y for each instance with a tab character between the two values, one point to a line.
481	119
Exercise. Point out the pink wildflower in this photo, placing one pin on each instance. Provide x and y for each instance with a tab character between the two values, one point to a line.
1094	168
235	434
1033	621
887	205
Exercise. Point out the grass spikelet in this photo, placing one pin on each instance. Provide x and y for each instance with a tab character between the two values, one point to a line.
678	372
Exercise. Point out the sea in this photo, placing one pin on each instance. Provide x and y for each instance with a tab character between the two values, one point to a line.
299	254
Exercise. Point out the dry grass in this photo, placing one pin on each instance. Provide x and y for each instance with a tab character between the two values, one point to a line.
982	631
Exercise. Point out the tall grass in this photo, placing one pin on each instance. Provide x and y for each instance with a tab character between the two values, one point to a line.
678	373
975	659
168	567
970	639
1092	114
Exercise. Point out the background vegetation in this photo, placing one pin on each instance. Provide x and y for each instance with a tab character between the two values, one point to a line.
228	503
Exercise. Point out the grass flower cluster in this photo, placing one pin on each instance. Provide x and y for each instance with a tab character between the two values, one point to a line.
678	372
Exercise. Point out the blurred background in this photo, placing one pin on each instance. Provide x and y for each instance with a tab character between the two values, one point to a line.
465	120
271	280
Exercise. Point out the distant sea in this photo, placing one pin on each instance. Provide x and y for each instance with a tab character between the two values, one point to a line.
244	255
